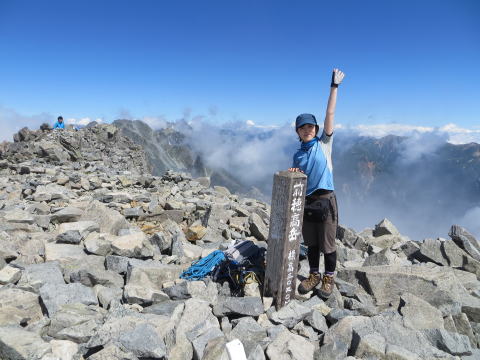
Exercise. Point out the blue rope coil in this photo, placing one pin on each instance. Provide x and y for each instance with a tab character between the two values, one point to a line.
203	267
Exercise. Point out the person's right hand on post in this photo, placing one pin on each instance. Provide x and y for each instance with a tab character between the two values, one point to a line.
295	170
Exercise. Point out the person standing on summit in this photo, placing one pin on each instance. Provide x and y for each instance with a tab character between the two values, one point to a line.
59	124
314	159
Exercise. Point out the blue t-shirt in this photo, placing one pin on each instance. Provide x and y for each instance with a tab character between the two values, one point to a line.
315	160
59	125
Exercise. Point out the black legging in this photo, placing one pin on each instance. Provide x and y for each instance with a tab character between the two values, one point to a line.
313	255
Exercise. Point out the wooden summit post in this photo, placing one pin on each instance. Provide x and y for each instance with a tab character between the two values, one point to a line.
286	218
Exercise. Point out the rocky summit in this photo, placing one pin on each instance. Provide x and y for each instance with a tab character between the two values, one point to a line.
92	247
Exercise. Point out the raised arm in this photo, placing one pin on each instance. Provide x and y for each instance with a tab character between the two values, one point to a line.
337	77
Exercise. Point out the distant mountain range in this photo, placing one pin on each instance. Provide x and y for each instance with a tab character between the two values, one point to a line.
422	189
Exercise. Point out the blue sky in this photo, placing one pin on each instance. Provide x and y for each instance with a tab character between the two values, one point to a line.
407	62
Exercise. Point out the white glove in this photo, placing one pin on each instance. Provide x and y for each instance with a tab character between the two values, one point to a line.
337	77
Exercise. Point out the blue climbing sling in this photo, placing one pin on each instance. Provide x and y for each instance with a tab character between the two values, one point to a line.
203	267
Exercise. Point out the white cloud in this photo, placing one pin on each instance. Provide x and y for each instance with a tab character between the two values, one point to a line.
251	124
156	122
452	133
470	221
380	130
11	122
458	135
82	122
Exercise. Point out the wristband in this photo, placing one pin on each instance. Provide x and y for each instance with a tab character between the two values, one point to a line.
332	84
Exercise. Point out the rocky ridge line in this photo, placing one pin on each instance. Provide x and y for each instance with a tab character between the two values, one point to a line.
92	246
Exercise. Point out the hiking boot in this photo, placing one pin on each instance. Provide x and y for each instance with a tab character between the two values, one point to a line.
327	286
309	283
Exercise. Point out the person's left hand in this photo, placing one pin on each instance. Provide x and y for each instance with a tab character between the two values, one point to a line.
337	77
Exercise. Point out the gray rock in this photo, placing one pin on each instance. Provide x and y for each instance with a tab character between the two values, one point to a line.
193	289
257	353
360	308
274	331
226	325
119	264
390	326
18	216
10	275
43	221
117	197
52	192
18	307
133	213
465	240
110	221
462	326
398	352
431	250
95	276
132	245
435	284
98	244
337	314
165	308
121	321
161	242
336	350
68	214
376	244
82	227
106	295
385	257
112	352
475	355
449	324
290	315
368	346
290	346
76	322
36	275
145	280
196	312
258	227
64	349
306	331
247	306
144	342
63	253
385	227
200	342
69	237
178	291
316	320
346	235
19	344
55	295
419	314
345	254
459	258
249	332
452	343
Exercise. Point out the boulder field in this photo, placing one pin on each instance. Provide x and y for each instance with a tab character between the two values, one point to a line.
92	247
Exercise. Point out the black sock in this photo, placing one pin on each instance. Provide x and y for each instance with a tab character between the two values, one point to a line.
313	255
330	262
